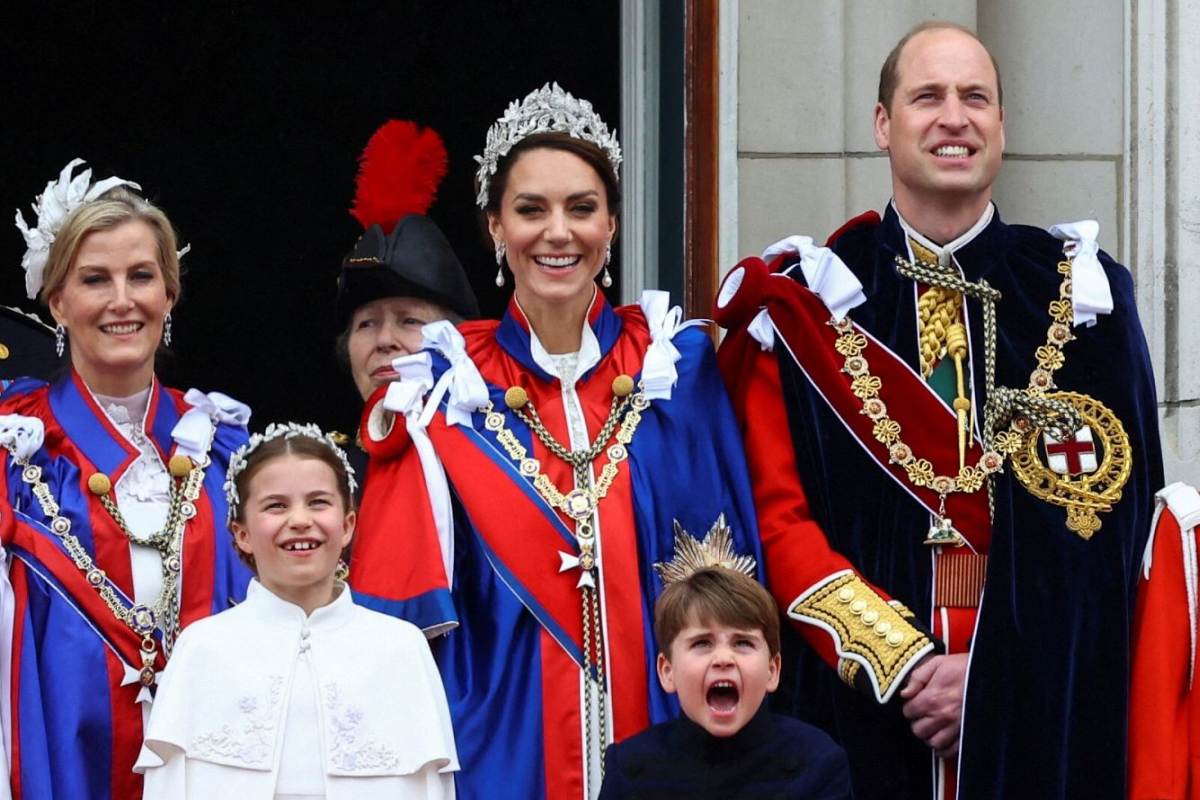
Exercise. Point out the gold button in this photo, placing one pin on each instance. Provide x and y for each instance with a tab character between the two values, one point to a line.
883	628
870	617
179	465
845	594
515	397
99	484
622	386
3	351
858	606
895	638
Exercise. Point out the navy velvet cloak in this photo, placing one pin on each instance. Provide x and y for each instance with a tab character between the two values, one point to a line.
1046	698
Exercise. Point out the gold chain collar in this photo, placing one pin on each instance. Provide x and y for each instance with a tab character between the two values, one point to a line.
163	614
887	431
581	505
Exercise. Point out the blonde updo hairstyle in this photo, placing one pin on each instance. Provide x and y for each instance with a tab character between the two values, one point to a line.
108	211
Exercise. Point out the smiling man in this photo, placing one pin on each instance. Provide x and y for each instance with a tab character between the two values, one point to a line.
956	518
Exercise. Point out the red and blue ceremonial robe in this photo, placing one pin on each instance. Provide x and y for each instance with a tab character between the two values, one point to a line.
843	529
76	720
511	667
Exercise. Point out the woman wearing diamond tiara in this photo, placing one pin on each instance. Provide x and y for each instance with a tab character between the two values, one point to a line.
526	473
112	514
305	694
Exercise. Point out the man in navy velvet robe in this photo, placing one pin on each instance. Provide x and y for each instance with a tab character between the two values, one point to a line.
954	461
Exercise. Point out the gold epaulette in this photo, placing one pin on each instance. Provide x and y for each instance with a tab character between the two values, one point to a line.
873	637
339	438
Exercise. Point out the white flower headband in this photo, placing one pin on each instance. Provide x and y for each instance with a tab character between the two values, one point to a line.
287	430
545	110
51	209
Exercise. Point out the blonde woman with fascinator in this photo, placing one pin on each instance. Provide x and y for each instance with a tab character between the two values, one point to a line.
526	474
113	520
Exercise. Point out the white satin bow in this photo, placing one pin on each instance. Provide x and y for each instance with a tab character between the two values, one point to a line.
193	434
23	435
762	330
658	367
1090	293
467	391
825	273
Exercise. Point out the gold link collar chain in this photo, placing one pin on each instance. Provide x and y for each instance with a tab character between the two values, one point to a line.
1021	411
163	614
581	505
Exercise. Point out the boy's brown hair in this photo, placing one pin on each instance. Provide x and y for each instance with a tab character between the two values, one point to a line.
718	595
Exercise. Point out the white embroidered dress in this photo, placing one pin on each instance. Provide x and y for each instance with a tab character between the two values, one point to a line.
262	701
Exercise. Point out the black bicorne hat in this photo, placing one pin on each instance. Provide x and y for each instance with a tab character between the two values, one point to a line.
402	253
414	260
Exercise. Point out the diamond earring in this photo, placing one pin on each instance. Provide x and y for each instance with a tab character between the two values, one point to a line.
60	339
606	279
166	337
501	249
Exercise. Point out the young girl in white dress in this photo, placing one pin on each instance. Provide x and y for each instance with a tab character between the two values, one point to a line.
297	693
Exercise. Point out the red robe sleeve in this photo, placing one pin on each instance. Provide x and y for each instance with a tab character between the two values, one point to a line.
397	566
839	612
1164	715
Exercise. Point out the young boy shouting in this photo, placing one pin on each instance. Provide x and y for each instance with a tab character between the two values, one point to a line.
718	637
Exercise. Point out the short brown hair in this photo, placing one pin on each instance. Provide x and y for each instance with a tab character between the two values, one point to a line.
301	447
719	595
889	74
110	210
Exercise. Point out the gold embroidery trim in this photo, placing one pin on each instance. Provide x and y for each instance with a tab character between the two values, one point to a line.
865	627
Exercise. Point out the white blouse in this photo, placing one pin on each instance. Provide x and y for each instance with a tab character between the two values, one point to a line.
262	701
143	493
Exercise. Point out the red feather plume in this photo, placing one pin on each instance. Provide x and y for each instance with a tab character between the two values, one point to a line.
398	173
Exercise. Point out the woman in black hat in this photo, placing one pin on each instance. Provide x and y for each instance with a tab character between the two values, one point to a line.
402	273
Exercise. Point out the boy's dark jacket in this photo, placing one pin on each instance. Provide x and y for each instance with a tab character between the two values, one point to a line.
772	757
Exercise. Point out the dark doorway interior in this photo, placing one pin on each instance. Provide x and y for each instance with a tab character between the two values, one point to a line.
244	121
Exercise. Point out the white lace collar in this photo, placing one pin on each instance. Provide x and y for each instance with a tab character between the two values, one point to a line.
125	410
588	353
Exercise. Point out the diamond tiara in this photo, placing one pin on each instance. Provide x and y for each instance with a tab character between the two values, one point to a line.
545	110
276	430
